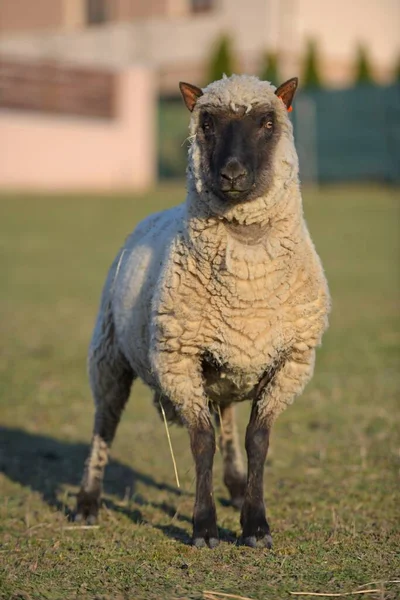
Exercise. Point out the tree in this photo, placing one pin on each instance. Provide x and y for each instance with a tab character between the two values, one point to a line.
269	68
363	68
222	61
396	76
311	77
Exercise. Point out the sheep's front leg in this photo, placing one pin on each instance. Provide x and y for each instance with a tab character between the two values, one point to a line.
253	520
202	441
180	379
286	384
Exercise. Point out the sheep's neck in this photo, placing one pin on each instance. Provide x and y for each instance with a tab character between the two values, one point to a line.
246	234
245	243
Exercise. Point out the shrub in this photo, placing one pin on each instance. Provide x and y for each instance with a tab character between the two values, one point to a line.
363	71
396	75
269	69
311	78
222	60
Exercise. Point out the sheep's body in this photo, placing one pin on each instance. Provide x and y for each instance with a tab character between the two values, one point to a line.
206	303
247	306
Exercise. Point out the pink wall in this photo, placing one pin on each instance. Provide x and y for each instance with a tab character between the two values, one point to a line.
42	152
25	15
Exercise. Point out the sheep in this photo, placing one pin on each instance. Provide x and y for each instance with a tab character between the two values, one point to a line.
216	301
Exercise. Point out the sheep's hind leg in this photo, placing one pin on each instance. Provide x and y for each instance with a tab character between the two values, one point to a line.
234	473
111	384
253	520
202	441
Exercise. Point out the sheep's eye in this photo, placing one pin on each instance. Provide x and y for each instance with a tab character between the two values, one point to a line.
207	124
267	122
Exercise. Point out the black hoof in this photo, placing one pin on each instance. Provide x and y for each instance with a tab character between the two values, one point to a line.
87	508
253	542
200	542
256	531
237	502
89	520
205	531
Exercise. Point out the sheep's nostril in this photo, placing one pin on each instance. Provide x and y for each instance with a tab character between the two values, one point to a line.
232	176
233	170
226	175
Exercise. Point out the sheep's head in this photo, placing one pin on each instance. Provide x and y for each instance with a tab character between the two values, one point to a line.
237	125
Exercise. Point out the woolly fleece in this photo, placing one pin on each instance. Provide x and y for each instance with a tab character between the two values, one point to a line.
242	284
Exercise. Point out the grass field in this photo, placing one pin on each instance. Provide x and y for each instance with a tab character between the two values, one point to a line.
332	476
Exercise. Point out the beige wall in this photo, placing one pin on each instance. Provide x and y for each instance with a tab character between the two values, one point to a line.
74	14
19	16
339	26
44	152
179	45
26	15
128	10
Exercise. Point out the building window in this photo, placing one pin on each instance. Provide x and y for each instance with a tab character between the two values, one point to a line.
96	12
198	6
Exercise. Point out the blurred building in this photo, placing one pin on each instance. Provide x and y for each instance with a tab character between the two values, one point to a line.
25	16
175	37
64	128
80	81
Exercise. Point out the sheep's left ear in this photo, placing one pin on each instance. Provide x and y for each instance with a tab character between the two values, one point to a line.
286	92
190	94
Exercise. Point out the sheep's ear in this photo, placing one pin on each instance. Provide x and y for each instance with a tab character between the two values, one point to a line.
286	92
190	94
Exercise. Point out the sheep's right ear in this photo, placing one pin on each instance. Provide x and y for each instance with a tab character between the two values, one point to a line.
190	94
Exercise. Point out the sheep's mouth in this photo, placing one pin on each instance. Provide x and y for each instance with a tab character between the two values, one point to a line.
234	189
231	194
234	195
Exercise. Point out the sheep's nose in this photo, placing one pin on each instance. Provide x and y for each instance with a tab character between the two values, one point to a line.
233	170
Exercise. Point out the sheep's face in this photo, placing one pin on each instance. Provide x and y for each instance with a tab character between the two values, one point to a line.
237	150
237	124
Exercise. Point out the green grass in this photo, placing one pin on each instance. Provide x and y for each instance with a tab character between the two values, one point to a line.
332	476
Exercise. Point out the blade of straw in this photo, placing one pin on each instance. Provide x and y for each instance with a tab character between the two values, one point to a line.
333	595
220	419
224	595
170	444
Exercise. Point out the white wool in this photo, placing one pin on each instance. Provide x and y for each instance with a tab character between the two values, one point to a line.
243	284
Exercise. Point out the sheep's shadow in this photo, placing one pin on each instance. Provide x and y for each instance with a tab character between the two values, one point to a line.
45	465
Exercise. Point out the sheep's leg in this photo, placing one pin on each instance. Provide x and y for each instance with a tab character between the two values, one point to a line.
253	520
111	384
234	473
180	378
202	441
287	383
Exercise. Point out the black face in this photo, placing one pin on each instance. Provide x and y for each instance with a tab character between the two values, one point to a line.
237	151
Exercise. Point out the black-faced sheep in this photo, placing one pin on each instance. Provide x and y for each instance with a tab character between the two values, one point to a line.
218	300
